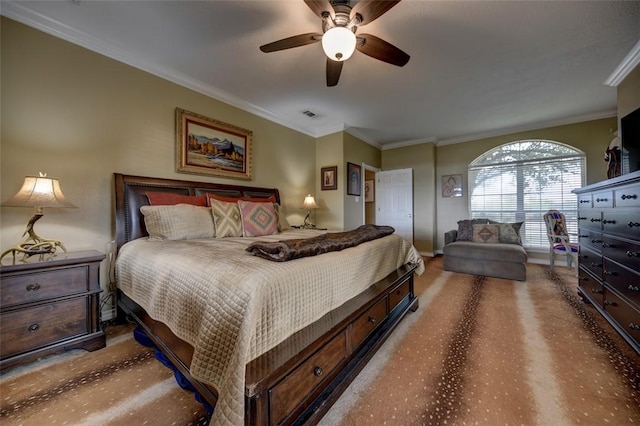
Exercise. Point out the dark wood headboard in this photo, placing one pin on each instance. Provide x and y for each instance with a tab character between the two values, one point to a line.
130	196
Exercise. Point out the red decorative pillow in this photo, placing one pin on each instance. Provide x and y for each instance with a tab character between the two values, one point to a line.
271	199
169	199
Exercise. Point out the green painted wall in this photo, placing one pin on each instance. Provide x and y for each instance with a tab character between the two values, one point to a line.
80	117
422	159
330	212
357	151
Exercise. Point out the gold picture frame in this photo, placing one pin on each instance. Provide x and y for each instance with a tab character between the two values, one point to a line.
210	147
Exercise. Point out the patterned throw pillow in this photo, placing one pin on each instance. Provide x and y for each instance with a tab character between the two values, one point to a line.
226	217
178	222
258	219
486	233
465	228
510	233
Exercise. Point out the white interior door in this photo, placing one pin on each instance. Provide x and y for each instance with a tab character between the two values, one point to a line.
394	201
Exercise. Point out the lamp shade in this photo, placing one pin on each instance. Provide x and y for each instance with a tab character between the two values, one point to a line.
309	203
339	43
39	191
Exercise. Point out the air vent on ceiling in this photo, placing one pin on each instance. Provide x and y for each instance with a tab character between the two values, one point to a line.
310	114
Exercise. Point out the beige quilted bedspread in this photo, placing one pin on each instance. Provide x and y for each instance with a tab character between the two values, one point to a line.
232	306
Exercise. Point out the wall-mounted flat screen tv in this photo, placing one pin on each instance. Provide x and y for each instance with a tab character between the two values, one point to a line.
630	127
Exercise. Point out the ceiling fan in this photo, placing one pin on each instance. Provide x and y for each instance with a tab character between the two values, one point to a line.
340	22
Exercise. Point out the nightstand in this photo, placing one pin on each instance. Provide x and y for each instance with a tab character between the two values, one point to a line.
49	306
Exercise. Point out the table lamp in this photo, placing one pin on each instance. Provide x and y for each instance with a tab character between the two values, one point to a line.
309	204
39	192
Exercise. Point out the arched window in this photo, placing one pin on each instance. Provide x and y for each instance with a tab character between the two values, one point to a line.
521	180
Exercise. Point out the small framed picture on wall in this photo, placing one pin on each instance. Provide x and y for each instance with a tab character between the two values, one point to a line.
354	179
329	178
452	186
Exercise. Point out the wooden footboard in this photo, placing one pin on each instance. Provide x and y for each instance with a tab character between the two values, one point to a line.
298	380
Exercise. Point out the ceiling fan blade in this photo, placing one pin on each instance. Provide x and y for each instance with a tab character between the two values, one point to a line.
381	50
371	10
320	6
334	68
294	41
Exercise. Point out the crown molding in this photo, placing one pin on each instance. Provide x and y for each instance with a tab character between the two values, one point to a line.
412	142
532	126
626	66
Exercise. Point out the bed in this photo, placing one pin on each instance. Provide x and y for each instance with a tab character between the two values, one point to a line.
262	342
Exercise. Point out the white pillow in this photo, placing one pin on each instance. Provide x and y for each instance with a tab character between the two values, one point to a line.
178	222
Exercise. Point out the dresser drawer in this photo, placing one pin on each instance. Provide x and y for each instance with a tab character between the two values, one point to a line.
628	196
584	201
591	261
623	223
625	252
398	294
590	239
603	199
623	314
33	287
590	219
625	281
297	386
32	328
368	321
590	287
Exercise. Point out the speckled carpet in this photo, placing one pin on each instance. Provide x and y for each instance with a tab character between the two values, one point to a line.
479	351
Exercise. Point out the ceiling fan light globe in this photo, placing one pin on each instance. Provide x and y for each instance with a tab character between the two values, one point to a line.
339	43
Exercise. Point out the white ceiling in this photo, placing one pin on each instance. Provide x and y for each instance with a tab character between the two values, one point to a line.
477	68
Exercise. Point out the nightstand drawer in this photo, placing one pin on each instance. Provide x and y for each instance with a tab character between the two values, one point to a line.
28	329
33	287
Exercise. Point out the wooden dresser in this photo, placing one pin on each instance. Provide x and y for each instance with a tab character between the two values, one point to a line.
49	306
609	237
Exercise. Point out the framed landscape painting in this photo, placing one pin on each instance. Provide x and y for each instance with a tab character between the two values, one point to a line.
210	147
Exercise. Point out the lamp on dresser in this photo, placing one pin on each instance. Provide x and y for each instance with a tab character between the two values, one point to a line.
39	192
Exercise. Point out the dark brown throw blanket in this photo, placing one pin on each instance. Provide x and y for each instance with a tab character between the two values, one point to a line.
332	241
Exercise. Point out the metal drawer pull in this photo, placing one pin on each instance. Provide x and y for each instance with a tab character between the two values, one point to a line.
584	201
632	224
609	221
633	287
596	265
583	236
399	292
594	241
629	197
593	219
610	303
609	273
372	320
33	328
582	218
601	199
632	253
33	287
317	371
596	291
605	245
634	326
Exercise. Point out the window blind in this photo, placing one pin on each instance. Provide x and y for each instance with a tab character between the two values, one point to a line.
522	180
